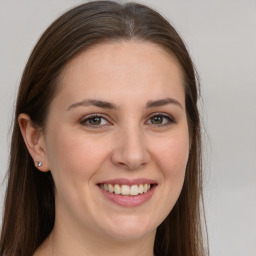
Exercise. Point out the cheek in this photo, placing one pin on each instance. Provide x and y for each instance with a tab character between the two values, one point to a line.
73	157
75	161
173	155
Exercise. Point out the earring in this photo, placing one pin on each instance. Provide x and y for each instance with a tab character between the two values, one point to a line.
39	164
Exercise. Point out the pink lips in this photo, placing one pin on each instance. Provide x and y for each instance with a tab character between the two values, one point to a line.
129	201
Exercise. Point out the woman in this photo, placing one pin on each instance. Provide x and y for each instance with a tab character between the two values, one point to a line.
105	154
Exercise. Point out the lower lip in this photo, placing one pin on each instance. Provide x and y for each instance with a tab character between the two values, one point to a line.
129	201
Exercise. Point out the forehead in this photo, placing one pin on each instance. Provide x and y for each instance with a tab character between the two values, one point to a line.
127	51
127	66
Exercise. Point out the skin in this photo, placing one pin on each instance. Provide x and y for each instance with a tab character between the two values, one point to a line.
125	143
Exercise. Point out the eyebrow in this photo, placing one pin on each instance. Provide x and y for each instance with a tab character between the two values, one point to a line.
163	102
96	103
108	105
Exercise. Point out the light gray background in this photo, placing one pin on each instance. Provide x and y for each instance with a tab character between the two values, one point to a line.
221	36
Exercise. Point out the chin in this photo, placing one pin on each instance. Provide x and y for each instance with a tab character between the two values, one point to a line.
131	229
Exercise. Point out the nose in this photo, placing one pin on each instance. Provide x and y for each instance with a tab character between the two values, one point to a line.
130	150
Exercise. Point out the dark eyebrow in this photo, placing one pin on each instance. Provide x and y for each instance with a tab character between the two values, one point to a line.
162	102
96	103
108	105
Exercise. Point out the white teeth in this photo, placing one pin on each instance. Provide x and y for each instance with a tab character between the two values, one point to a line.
134	190
117	189
146	187
141	189
110	188
126	190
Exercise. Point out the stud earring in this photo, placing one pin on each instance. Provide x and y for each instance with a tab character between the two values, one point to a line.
39	164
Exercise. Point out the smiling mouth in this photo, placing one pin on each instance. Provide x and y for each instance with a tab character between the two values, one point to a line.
126	190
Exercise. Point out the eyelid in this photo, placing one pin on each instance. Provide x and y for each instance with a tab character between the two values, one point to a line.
87	117
170	118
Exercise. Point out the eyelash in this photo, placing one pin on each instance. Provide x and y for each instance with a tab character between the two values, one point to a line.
170	119
84	121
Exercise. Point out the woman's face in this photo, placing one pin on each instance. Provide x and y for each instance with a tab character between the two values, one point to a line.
118	122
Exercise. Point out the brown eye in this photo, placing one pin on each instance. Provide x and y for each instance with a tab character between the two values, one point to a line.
157	120
94	120
160	120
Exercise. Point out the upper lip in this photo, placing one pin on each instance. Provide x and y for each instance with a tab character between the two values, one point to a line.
125	181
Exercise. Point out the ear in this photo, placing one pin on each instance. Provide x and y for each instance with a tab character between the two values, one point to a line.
35	142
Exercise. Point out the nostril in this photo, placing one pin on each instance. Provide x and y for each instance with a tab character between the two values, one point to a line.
131	151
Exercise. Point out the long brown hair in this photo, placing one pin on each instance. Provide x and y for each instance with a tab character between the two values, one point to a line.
29	204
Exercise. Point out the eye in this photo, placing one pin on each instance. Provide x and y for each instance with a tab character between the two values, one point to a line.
95	120
160	119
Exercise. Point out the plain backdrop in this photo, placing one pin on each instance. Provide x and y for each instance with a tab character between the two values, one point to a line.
221	37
